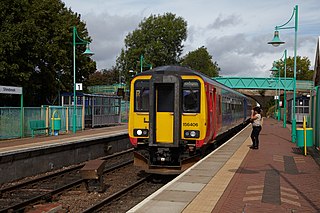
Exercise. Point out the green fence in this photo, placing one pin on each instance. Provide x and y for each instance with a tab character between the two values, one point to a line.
10	119
9	122
124	111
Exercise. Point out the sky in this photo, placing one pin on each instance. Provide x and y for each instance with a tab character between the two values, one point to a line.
235	32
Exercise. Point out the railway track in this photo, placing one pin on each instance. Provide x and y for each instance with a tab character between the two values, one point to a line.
17	197
128	197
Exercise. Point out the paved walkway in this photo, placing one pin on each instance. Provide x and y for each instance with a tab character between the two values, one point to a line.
39	140
275	178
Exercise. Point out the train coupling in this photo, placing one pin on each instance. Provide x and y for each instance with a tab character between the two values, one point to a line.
163	169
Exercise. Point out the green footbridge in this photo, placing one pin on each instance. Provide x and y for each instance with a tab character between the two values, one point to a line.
264	83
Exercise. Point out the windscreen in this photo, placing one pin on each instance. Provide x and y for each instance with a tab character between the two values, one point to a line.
141	96
191	96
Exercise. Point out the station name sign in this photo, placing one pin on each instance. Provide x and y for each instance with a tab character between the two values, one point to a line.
10	90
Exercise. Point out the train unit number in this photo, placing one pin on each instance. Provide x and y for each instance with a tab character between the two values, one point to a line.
190	124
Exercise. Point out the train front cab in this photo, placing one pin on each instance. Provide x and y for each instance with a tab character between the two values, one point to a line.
167	121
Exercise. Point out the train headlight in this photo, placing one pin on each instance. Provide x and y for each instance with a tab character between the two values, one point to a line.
140	132
191	133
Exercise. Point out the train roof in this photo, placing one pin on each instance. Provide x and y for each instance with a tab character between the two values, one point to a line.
174	69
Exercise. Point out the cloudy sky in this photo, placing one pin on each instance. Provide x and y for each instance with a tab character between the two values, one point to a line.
235	32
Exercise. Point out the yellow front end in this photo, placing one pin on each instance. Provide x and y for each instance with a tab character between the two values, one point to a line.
194	124
167	121
138	120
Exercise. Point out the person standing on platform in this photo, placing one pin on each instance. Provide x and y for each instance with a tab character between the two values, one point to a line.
256	127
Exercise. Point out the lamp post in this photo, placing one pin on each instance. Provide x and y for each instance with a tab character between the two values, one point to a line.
87	52
274	69
276	42
141	63
285	89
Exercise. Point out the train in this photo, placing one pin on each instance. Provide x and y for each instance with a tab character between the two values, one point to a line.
176	112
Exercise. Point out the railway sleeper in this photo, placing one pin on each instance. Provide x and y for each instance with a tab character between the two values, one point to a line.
92	173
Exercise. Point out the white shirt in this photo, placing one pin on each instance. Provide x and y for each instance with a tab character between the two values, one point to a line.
257	122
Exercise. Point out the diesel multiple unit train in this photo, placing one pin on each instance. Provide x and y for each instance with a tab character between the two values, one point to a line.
175	112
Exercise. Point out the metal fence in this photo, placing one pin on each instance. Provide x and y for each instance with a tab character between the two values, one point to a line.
104	114
10	119
124	111
10	122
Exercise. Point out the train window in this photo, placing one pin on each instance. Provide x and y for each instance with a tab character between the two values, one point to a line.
165	98
141	91
191	96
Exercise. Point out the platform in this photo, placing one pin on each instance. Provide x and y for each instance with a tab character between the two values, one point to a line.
23	144
275	178
25	157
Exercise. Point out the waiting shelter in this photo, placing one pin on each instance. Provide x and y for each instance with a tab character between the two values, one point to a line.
98	110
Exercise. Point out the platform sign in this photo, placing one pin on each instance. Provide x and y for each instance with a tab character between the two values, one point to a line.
10	90
78	86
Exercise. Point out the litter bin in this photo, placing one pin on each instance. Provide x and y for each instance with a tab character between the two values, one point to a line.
56	125
300	137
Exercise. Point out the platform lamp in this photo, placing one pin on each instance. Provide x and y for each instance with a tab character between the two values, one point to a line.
284	56
141	64
274	69
86	52
276	42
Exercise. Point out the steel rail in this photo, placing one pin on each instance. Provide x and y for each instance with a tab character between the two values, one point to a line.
116	195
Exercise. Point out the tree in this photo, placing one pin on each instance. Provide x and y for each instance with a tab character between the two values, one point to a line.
104	77
303	68
36	48
158	38
201	60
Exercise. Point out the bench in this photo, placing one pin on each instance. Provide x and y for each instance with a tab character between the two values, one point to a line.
38	125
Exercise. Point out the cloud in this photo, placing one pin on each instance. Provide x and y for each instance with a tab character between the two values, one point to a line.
108	33
224	21
235	32
245	55
240	54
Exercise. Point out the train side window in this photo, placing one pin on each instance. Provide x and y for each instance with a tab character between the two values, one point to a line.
141	96
191	96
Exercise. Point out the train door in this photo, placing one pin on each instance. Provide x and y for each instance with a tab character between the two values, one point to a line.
219	113
164	112
211	113
214	114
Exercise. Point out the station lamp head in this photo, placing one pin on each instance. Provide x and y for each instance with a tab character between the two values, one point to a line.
88	51
274	68
276	40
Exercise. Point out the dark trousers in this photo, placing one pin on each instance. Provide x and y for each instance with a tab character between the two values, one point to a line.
255	135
